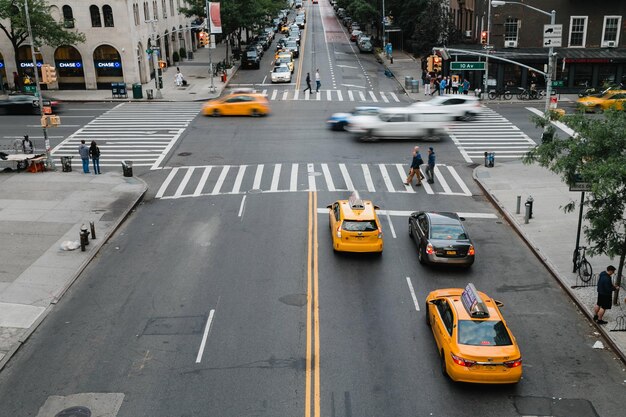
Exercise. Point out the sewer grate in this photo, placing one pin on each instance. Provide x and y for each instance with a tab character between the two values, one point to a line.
184	154
75	412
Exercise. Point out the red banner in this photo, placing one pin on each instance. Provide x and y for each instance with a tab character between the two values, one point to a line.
216	21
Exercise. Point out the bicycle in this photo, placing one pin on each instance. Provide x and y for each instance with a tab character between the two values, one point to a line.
525	94
582	265
494	94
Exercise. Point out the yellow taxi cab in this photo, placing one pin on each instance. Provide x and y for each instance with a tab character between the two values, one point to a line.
284	28
612	99
473	340
238	104
354	225
285	58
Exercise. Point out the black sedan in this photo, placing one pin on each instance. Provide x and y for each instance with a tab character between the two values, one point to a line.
251	59
441	238
26	104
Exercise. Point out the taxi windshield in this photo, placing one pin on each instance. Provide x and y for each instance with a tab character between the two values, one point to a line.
483	333
448	232
359	226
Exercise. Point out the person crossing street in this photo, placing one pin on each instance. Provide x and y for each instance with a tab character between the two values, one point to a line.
308	83
430	168
414	170
318	81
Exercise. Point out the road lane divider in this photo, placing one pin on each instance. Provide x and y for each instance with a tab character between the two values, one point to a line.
412	291
407	213
205	336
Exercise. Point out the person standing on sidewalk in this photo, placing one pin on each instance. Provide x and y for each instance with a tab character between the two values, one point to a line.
427	81
83	151
435	86
94	153
466	86
605	292
414	170
430	168
455	85
308	83
442	86
318	80
448	85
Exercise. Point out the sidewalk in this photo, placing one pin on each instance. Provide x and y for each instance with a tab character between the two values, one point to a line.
195	71
551	234
37	213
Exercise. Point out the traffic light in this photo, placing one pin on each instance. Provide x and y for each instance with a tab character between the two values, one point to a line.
483	37
162	64
203	39
48	74
437	63
429	63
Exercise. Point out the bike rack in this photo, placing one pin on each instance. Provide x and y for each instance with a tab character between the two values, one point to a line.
591	283
620	324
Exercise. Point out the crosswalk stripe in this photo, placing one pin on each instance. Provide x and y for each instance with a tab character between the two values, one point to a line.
407	188
293	183
274	94
296	94
318	96
362	95
339	95
346	177
285	93
256	185
329	180
220	180
239	179
328	95
384	97
166	183
203	179
373	96
368	178
395	97
440	178
311	171
350	95
264	92
275	177
307	95
183	183
386	179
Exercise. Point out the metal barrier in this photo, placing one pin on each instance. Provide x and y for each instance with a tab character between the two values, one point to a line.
620	324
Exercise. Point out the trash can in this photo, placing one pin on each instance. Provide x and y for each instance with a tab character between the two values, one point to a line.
127	168
121	90
189	55
407	81
66	163
137	91
149	94
415	86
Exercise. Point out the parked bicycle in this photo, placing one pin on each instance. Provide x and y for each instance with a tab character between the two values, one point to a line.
501	93
582	265
525	94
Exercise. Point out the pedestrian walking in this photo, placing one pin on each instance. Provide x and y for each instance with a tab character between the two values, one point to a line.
318	81
94	153
27	145
178	78
460	88
442	86
466	86
605	290
455	85
430	169
83	151
414	170
427	82
448	85
435	86
308	83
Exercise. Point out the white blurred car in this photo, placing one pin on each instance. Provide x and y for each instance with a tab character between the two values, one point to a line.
281	74
400	123
460	106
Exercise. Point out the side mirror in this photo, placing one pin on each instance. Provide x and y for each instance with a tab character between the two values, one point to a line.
500	304
329	206
433	302
462	219
376	208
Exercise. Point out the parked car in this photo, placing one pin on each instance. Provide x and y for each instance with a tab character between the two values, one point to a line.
460	107
354	35
441	238
364	43
251	59
400	123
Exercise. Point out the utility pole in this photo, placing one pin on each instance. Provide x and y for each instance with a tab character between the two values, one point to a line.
486	86
550	64
49	160
384	21
208	28
155	62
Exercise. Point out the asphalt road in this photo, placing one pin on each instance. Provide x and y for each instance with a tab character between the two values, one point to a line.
293	325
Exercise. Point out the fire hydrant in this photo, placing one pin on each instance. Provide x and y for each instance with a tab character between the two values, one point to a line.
84	237
224	76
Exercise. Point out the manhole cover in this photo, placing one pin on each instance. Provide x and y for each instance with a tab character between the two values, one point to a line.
315	174
255	191
184	154
75	412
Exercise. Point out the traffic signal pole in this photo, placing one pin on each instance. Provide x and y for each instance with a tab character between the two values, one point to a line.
49	160
208	28
485	88
155	61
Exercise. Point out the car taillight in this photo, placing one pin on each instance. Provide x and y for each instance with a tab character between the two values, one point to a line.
471	250
380	233
429	249
462	362
339	231
513	364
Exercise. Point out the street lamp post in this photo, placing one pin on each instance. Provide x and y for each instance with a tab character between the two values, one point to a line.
208	28
155	60
485	86
552	15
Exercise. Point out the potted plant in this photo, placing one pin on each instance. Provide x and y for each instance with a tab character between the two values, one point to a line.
183	53
175	57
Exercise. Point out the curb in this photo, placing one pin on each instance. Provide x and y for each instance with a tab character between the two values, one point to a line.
551	268
7	357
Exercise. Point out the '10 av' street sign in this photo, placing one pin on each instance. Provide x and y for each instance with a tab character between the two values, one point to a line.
467	66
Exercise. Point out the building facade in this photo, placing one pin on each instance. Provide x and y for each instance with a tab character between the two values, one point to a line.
592	50
118	35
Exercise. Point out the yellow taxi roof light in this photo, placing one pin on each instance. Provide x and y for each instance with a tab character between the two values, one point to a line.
355	201
473	303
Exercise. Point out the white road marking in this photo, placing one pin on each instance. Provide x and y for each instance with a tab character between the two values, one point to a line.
220	180
340	95
166	183
408	188
203	179
385	174
395	97
256	184
384	97
346	177
243	200
417	306
373	96
368	178
183	183
293	182
274	94
239	179
442	181
407	213
275	177
459	181
310	171
205	336
393	231
352	85
350	95
558	124
362	95
328	95
347	66
329	179
285	93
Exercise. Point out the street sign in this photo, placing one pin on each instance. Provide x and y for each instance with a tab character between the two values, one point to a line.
552	35
487	46
580	186
467	66
557	83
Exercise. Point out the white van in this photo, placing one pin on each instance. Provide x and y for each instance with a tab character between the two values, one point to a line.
400	123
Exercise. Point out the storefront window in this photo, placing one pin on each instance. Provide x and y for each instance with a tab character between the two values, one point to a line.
512	76
582	75
606	74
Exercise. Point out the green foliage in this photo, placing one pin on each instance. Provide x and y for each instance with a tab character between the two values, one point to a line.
236	14
362	11
46	30
175	57
434	26
596	154
182	52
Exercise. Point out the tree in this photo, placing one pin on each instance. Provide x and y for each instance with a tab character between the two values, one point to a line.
434	26
595	154
46	31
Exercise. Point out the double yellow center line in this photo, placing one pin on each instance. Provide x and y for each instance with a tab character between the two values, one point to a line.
301	48
312	368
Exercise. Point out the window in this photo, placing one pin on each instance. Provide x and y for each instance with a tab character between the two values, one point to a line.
172	7
68	17
146	11
610	32
155	10
96	22
510	29
483	333
164	7
136	13
358	225
107	12
446	315
577	31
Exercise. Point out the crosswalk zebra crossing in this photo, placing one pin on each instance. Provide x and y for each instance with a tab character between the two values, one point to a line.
363	96
489	132
210	180
139	132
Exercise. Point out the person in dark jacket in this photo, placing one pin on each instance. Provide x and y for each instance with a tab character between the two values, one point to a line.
430	168
605	291
308	83
94	154
416	162
83	151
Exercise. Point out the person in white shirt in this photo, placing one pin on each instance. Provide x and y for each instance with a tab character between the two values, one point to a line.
318	82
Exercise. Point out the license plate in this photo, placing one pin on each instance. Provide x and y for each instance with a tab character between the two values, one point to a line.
450	252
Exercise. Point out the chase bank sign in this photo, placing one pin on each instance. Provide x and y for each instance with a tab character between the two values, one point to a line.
70	64
108	64
29	64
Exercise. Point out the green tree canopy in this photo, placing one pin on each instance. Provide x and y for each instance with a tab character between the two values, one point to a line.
596	154
46	31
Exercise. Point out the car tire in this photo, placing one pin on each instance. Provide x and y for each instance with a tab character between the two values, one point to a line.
444	371
410	229
468	116
427	317
255	113
341	126
420	255
216	113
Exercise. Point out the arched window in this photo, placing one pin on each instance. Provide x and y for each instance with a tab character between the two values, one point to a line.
146	11
136	13
68	17
107	12
171	7
155	10
95	16
164	7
